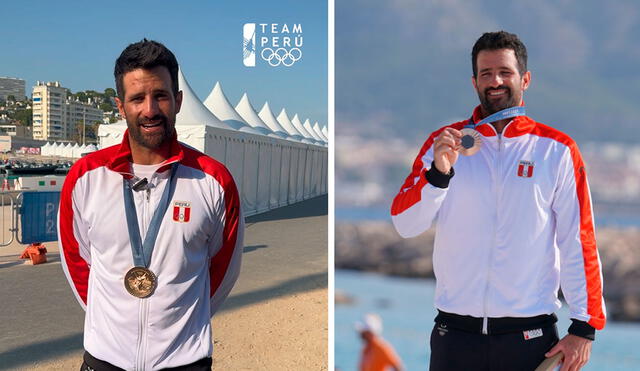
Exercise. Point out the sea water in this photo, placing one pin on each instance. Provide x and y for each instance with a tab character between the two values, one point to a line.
406	308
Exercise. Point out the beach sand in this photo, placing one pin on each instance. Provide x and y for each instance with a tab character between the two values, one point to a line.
274	319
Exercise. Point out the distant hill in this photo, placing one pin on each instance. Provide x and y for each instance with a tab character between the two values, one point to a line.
403	67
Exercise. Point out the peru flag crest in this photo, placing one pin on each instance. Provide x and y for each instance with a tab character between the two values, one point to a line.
525	169
181	211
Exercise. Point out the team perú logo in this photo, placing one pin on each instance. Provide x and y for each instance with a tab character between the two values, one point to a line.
525	169
181	211
278	44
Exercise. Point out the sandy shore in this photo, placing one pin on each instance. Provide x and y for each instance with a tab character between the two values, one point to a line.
274	319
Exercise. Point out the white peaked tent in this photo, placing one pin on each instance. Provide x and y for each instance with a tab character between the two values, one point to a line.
316	129
309	129
75	151
269	172
44	150
192	110
270	120
57	149
295	121
68	150
284	121
219	105
325	132
249	115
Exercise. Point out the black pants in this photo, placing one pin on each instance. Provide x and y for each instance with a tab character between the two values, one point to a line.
453	349
90	363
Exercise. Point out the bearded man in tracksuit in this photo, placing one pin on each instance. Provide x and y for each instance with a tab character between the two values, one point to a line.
514	223
150	229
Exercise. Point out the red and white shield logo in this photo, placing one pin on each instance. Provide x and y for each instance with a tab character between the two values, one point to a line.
525	169
181	211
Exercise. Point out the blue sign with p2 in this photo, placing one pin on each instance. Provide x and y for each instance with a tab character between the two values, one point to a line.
39	217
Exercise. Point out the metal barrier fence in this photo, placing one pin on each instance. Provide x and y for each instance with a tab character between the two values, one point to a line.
32	216
7	235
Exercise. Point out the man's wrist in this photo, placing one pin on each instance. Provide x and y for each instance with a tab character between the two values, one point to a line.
437	178
582	329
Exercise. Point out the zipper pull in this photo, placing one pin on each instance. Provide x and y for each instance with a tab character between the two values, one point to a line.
148	193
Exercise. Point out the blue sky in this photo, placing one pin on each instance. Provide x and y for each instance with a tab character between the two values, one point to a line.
77	42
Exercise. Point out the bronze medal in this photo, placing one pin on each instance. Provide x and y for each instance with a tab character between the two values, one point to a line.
470	142
140	282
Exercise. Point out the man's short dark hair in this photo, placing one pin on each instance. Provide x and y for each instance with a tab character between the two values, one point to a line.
500	40
146	54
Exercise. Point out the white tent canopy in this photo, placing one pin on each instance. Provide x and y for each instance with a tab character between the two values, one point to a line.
298	125
58	149
45	149
325	132
309	129
248	113
316	128
75	151
270	120
219	105
192	110
68	150
284	121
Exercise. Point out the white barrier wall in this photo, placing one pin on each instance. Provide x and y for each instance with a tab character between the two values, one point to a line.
268	172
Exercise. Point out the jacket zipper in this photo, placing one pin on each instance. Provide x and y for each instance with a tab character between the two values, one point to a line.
142	335
485	319
144	304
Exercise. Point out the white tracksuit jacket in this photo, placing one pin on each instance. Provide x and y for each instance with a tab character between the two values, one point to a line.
514	224
196	257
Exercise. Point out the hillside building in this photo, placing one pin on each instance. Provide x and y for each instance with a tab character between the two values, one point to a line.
56	116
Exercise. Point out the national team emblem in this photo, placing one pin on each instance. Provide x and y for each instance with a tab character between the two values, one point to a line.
181	211
525	169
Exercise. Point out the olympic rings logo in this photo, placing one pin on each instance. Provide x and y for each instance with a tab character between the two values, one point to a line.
281	56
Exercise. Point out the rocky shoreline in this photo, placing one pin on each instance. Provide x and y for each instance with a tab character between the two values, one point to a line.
376	247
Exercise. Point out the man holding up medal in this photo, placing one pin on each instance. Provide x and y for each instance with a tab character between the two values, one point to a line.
513	225
150	229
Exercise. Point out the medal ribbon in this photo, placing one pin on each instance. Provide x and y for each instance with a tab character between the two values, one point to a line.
142	251
506	113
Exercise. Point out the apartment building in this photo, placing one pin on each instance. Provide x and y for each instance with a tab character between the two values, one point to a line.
55	116
12	86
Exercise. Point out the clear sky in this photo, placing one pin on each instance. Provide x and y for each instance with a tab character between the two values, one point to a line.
77	43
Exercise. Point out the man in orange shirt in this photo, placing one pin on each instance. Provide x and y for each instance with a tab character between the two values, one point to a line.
377	354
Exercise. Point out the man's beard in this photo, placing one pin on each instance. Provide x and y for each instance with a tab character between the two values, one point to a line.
497	106
151	140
